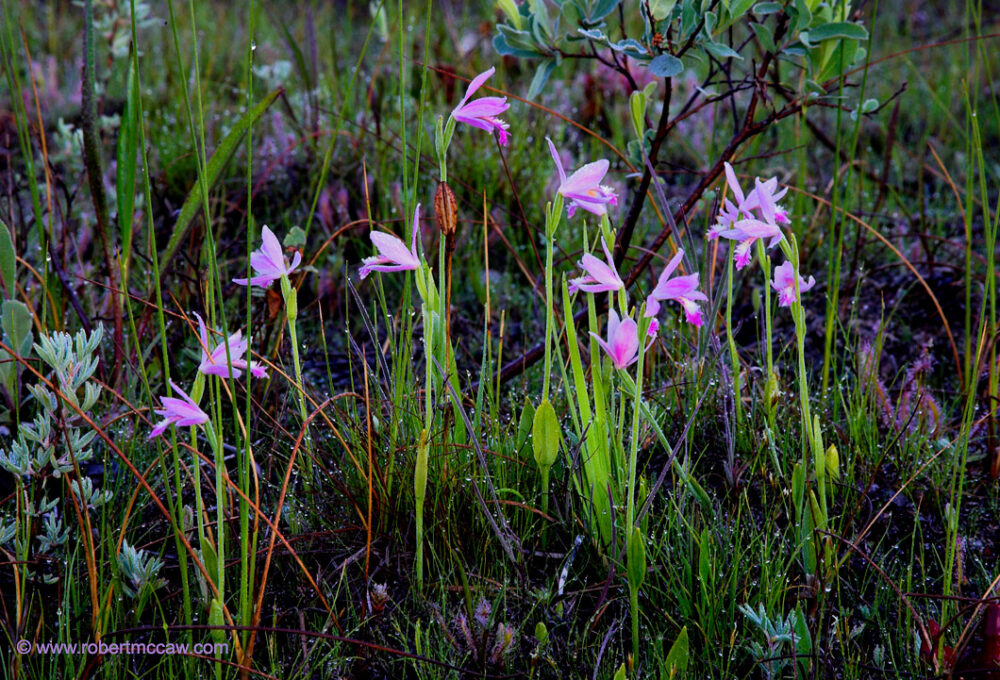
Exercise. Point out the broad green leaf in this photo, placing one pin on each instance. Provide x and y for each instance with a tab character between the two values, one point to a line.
598	9
15	321
514	43
676	662
837	29
213	171
666	66
620	675
661	9
764	36
15	318
545	435
8	261
738	8
722	51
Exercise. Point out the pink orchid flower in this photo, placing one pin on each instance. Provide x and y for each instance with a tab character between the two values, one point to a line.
482	113
747	232
269	262
682	289
583	188
652	309
392	253
752	216
623	341
784	283
213	362
765	198
601	277
178	412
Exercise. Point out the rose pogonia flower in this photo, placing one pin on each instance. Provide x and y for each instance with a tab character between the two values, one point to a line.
178	412
682	289
601	277
269	262
392	253
583	189
213	362
784	283
482	113
623	340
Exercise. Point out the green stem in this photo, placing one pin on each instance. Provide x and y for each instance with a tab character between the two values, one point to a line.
290	296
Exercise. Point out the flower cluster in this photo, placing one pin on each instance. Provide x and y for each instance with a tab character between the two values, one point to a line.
758	215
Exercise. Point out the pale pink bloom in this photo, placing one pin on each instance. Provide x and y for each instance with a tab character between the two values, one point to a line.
760	203
180	412
731	212
784	283
682	289
482	113
764	198
269	262
747	232
601	277
392	253
583	189
213	362
652	309
623	340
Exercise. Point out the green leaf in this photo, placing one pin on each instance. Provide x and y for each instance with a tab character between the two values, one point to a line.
600	9
721	51
215	618
295	238
677	658
666	66
636	566
15	318
661	9
764	36
738	8
509	8
542	74
525	423
620	675
213	171
545	435
593	33
629	46
764	8
838	29
8	261
514	43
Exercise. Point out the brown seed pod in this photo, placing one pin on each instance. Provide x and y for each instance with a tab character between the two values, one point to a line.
446	212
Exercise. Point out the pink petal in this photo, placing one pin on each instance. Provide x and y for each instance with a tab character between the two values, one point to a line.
559	165
586	178
734	184
475	84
